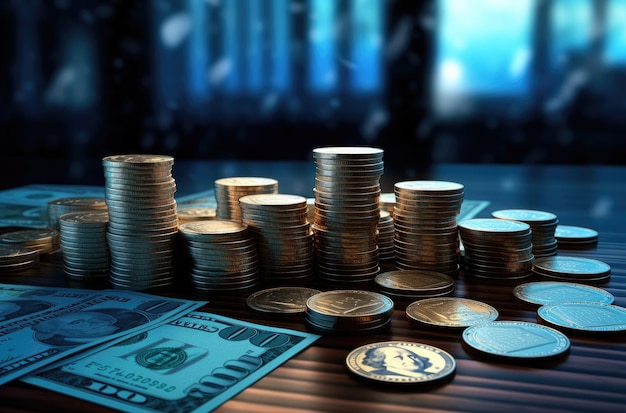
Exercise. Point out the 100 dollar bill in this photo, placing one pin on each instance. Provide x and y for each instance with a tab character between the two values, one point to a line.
194	363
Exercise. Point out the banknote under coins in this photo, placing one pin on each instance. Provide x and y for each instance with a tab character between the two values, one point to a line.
570	236
195	214
229	190
449	312
281	300
84	244
143	223
347	213
16	258
584	318
283	237
496	249
426	233
400	363
542	226
574	269
348	311
552	292
44	241
61	206
410	285
221	255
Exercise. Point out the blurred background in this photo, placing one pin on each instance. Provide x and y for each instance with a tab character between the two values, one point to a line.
429	81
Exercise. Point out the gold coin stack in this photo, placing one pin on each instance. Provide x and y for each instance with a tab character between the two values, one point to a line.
196	214
497	249
229	190
61	206
283	237
84	244
143	224
44	241
16	258
347	212
426	233
386	230
221	254
542	226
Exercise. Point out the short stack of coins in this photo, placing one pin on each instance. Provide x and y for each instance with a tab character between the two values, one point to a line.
221	255
386	230
143	223
497	249
62	206
347	212
283	237
16	258
426	234
229	190
348	311
542	225
411	285
44	241
84	244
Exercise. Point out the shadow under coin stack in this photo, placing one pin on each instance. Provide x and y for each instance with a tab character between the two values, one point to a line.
347	212
84	244
61	206
426	233
143	224
497	249
229	190
542	226
222	255
283	237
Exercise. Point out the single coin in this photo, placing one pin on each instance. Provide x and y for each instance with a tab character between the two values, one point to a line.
584	317
282	300
525	215
349	303
414	281
400	362
574	266
516	340
552	292
573	234
450	312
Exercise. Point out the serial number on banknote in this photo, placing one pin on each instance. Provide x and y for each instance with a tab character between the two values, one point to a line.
130	377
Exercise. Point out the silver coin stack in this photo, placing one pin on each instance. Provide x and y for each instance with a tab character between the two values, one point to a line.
426	233
497	249
229	190
347	212
44	241
542	225
61	206
84	244
283	237
386	230
143	224
221	255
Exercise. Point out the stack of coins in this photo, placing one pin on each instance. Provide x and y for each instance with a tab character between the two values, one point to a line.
222	255
283	237
44	241
347	212
84	244
15	258
229	190
410	285
348	311
497	249
542	225
386	230
569	236
387	201
426	234
62	206
195	214
576	269
143	224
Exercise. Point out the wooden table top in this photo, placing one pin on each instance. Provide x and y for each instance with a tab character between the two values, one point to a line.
592	377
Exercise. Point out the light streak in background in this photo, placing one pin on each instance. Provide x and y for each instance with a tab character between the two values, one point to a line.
570	30
323	76
230	45
255	31
198	54
281	40
28	75
483	47
166	76
367	17
615	40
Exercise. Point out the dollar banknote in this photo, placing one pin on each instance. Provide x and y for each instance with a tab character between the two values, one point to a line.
43	325
191	364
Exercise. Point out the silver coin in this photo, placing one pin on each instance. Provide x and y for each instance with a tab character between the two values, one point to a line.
573	234
552	292
571	266
450	312
584	317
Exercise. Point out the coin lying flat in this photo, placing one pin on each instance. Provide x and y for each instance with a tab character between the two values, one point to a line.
282	300
552	292
516	340
450	312
568	235
584	317
400	362
565	268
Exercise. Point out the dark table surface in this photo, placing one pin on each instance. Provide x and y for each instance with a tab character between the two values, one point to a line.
591	377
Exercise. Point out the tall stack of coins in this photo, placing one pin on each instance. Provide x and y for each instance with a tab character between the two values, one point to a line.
542	225
283	236
229	190
84	244
426	234
222	255
497	249
143	224
61	206
347	212
386	230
